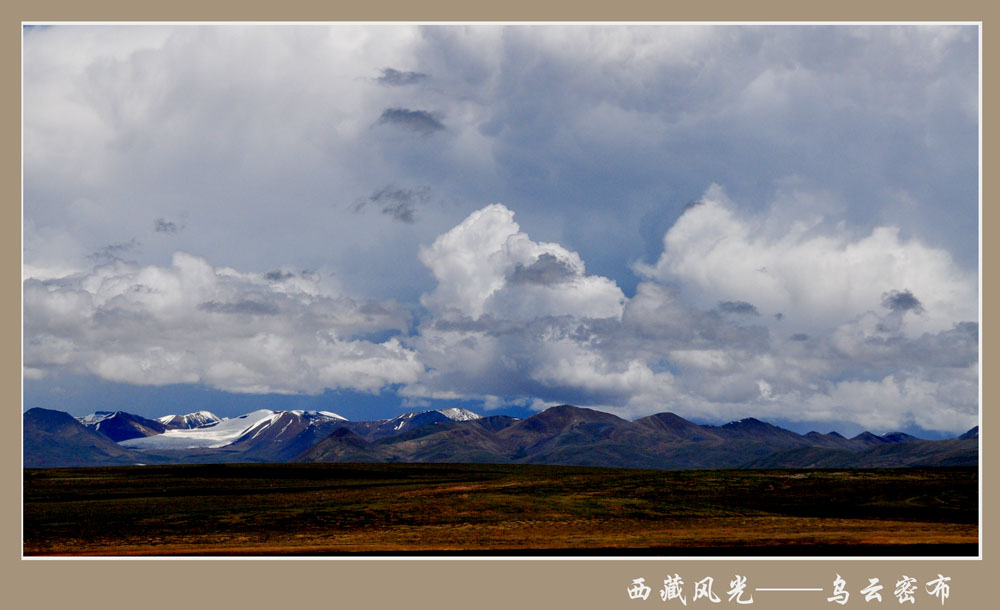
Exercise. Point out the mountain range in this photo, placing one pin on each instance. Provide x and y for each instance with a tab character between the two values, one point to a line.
565	435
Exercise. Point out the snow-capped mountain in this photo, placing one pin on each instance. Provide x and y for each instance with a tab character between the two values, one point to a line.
286	434
559	435
199	419
456	414
244	428
57	439
374	430
95	417
120	426
219	435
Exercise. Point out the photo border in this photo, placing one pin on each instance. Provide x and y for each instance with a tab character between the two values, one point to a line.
439	582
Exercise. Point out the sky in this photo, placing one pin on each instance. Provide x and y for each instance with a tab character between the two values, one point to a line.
779	222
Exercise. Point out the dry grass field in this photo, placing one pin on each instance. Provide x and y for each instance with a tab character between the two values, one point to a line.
387	509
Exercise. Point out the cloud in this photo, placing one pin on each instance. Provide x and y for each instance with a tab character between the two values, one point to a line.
278	275
255	308
898	401
901	301
478	263
419	121
547	269
738	307
396	78
115	251
510	321
510	317
188	323
487	337
165	226
400	204
817	276
226	122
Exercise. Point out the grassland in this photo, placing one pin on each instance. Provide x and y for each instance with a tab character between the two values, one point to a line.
274	509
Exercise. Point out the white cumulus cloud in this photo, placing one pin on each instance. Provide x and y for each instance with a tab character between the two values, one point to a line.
194	323
814	277
486	265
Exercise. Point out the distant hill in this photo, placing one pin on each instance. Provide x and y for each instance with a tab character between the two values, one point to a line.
576	436
561	435
973	433
907	453
56	439
343	445
199	419
121	426
383	428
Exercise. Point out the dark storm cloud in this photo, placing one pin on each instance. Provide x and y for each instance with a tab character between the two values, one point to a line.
419	121
400	204
240	307
938	355
162	225
954	348
971	329
895	300
402	212
547	269
113	252
278	275
800	337
397	78
738	307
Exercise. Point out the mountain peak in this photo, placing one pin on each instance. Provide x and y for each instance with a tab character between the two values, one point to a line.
458	414
554	420
198	419
56	439
121	426
899	437
676	426
97	416
569	412
972	433
867	438
747	421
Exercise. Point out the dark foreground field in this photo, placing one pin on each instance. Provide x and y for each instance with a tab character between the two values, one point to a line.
386	509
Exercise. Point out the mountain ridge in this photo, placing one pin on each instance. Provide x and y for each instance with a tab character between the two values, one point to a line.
56	439
563	434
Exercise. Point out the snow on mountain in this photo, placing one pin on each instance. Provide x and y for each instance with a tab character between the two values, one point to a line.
224	433
329	414
219	435
95	417
287	434
402	421
199	419
374	430
424	417
120	426
266	428
457	414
